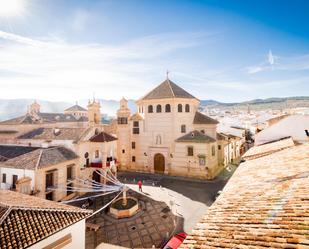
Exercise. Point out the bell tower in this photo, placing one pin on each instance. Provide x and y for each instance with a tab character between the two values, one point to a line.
123	112
94	115
123	134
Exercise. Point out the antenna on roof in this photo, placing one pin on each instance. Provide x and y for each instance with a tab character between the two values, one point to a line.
167	73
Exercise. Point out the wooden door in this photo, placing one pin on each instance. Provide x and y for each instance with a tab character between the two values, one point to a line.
159	163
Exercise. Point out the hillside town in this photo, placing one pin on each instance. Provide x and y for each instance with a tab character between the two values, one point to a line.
154	124
70	157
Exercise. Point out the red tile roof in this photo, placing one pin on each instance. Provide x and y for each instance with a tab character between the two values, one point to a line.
265	204
201	118
102	137
269	148
25	220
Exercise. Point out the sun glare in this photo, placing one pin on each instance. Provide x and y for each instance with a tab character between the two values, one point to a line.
11	8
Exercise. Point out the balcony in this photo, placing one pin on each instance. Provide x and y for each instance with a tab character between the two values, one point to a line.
96	165
103	165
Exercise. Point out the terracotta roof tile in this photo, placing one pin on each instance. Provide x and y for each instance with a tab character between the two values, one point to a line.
264	204
200	118
54	134
76	108
102	137
11	151
27	219
195	137
168	89
269	148
42	118
41	158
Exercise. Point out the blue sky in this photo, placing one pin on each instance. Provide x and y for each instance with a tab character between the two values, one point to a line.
224	50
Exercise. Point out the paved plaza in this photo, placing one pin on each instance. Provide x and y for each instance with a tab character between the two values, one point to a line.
168	205
152	225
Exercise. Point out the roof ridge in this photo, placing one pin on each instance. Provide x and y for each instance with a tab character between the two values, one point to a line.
6	213
39	159
169	84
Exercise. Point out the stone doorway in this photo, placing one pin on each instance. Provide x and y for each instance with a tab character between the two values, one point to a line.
159	163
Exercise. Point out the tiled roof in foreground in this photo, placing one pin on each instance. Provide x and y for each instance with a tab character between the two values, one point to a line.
269	148
264	205
25	220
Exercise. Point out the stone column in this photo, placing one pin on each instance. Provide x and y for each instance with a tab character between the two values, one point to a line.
124	196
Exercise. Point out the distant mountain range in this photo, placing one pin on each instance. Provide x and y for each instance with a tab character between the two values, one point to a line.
17	107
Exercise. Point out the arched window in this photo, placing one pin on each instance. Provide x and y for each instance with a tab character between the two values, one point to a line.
179	107
187	108
167	108
183	128
150	109
159	108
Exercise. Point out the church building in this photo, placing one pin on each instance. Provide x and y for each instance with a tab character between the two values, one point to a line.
168	135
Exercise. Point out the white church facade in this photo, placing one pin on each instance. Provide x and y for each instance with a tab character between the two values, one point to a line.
168	135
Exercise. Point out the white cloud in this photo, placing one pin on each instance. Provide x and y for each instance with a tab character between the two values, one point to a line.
271	58
255	69
287	63
58	70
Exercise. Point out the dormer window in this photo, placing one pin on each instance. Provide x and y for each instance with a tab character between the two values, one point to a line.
179	108
187	108
150	109
159	108
167	108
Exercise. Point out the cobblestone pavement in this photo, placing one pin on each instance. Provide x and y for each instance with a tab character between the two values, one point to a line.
152	225
168	205
188	198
